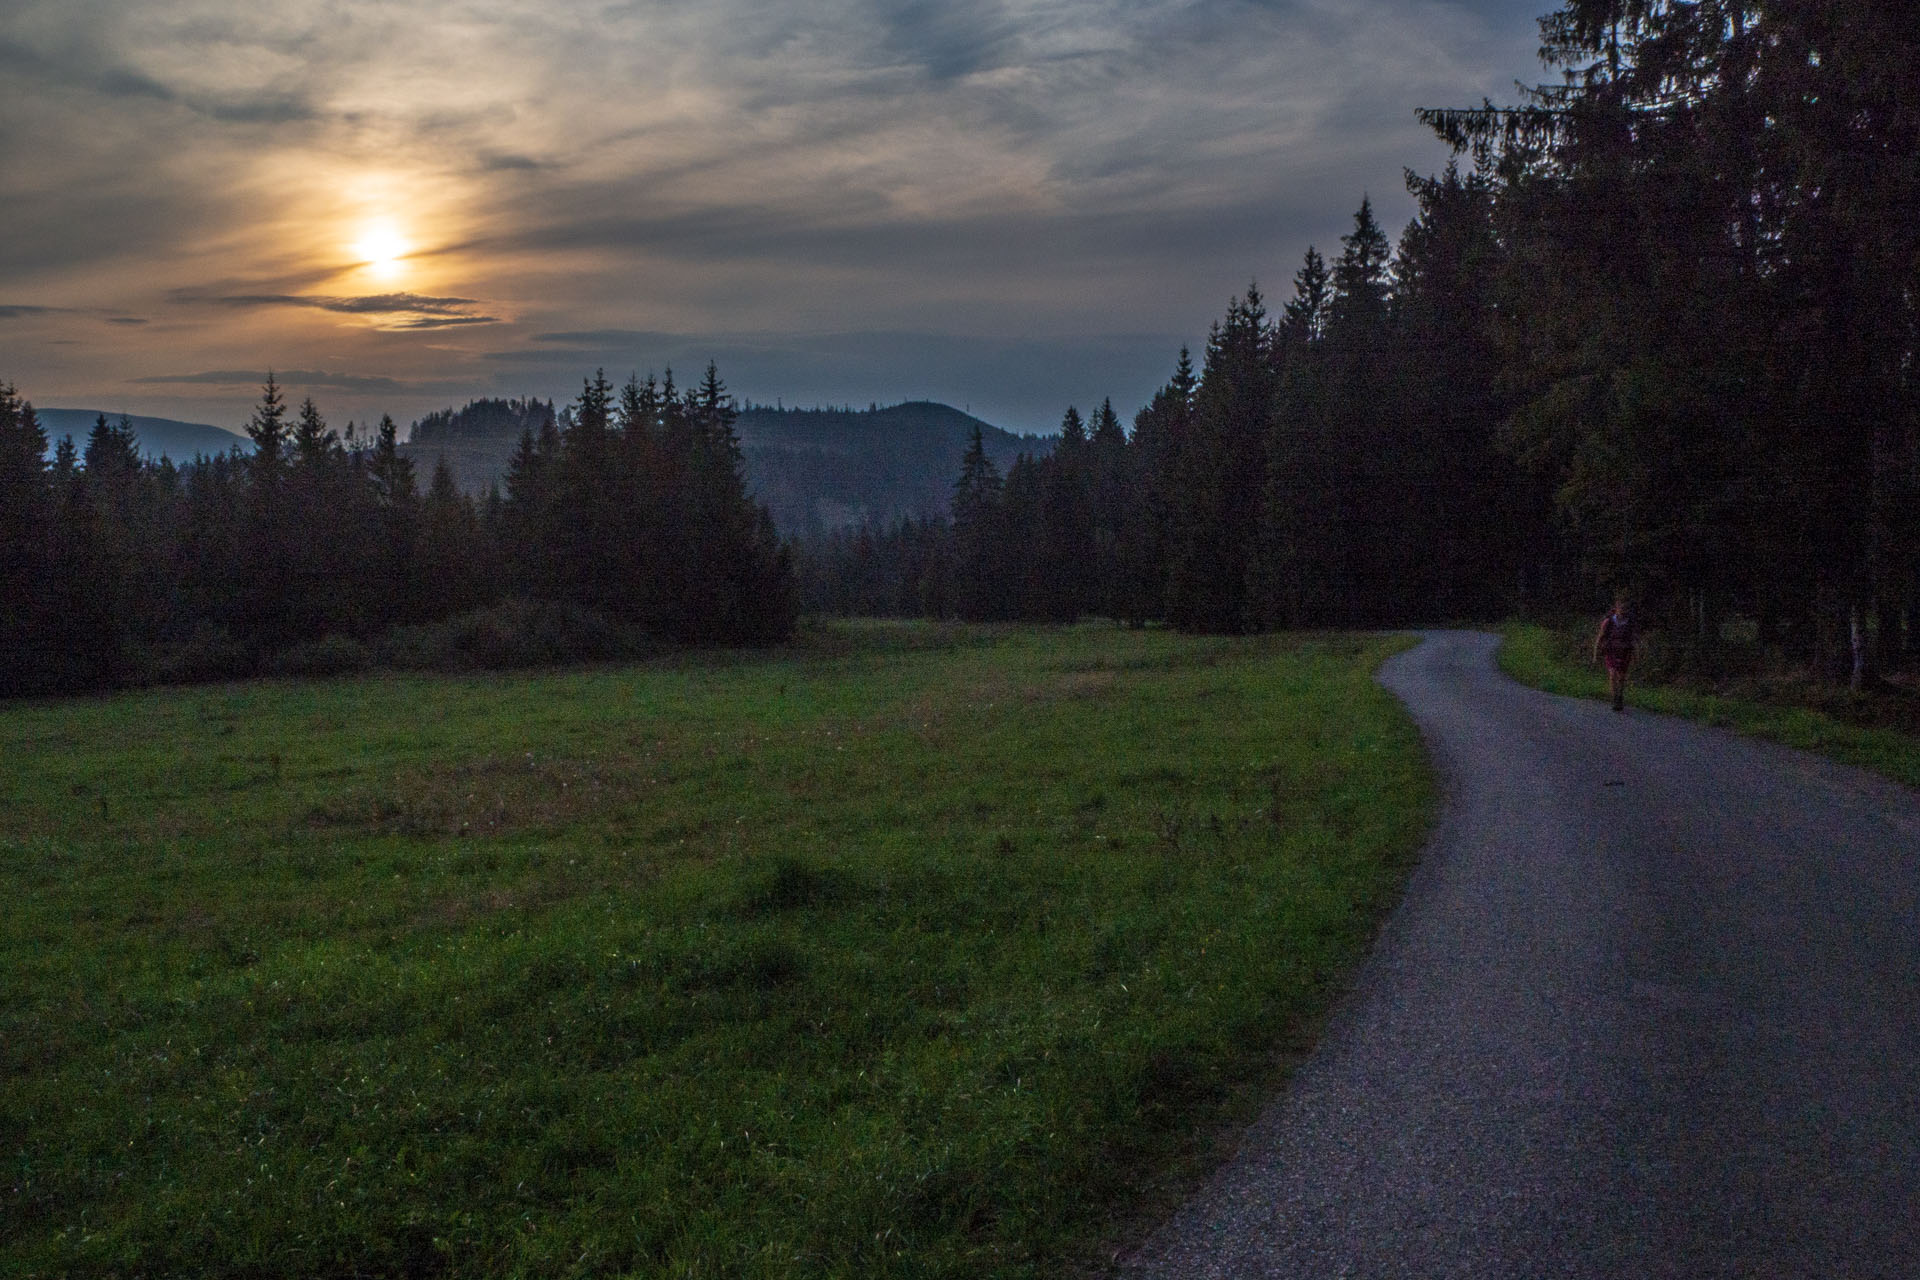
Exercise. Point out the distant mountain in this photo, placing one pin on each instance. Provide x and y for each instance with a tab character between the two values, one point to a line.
482	420
824	469
816	469
158	437
476	440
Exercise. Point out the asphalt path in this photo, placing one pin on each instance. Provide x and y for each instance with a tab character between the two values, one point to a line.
1651	1007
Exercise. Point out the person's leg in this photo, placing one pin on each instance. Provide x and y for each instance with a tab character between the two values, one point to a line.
1617	685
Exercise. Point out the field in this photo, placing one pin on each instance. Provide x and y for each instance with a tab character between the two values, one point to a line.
1874	731
905	951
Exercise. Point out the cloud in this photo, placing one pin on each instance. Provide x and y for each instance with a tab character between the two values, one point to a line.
603	337
406	310
285	377
127	320
507	162
444	322
949	40
368	304
76	66
611	173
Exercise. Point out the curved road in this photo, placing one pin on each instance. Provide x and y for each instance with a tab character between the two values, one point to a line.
1651	1007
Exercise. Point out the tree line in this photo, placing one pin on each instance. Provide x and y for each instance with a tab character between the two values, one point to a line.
1657	335
1333	465
627	511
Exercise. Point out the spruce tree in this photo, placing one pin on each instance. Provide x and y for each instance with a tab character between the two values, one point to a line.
1113	500
112	448
66	467
1304	318
451	558
1360	276
313	440
1219	472
1160	431
1063	553
396	506
976	512
268	430
117	547
25	513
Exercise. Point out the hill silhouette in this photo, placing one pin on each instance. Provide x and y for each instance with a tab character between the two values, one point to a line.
816	469
476	439
824	469
158	437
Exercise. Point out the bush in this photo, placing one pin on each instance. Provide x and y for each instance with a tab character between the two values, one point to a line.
328	656
515	633
210	653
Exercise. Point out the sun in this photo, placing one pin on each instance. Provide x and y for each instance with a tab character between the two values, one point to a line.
382	249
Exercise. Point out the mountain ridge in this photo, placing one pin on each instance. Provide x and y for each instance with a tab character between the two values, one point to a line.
817	469
157	437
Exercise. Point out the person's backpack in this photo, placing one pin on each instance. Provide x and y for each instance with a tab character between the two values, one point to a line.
1616	636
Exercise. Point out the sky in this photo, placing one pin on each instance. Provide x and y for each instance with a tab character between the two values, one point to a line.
397	205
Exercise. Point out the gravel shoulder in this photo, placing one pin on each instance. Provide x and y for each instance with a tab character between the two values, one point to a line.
1651	1006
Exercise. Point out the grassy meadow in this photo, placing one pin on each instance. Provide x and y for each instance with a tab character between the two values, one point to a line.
1874	731
906	951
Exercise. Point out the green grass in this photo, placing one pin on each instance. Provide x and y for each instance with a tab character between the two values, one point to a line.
1560	661
909	951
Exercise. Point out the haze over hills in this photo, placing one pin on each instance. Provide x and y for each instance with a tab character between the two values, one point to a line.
476	440
158	437
816	469
824	469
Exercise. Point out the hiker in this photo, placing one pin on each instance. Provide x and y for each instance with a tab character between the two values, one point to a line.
1614	647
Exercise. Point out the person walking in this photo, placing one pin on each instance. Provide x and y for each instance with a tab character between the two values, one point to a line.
1613	648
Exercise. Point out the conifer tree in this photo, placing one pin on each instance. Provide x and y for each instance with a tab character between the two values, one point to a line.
1063	554
112	448
976	533
263	617
314	442
116	562
268	430
1304	318
396	505
85	643
1113	501
742	589
451	561
1160	431
585	541
66	467
1360	277
1219	474
24	543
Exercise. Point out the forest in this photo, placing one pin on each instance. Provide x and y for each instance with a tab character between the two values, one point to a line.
623	520
1652	332
1656	336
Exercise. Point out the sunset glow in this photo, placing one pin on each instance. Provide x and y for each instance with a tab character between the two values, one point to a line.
838	203
382	250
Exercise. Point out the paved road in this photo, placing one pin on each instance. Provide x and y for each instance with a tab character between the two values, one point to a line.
1651	1007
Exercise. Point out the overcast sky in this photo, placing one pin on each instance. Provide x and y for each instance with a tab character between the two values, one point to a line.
1011	205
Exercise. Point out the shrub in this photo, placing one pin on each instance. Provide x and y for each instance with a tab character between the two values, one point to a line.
328	656
210	653
514	633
